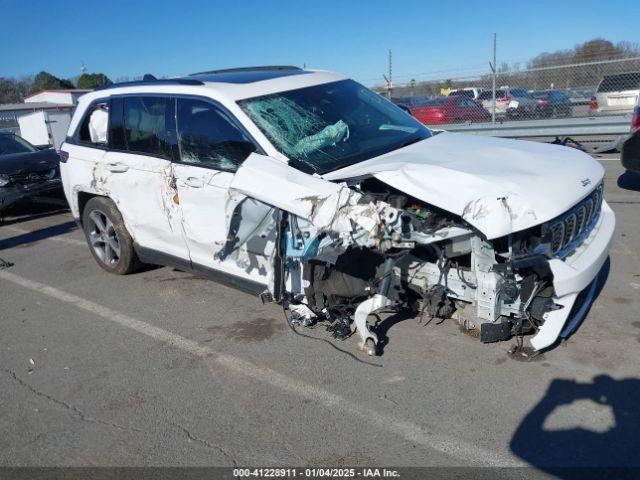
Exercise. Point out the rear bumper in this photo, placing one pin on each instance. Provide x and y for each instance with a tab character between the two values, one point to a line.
574	274
12	194
610	111
630	153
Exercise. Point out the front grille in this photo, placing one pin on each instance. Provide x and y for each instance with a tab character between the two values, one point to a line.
569	230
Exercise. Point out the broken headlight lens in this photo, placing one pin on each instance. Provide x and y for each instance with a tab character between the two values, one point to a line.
52	173
4	180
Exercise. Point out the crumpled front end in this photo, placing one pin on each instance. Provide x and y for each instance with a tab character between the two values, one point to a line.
18	189
348	250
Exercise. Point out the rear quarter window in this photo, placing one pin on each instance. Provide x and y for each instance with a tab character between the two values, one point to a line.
94	125
619	83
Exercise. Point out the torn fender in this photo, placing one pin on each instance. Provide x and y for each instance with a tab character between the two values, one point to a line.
328	206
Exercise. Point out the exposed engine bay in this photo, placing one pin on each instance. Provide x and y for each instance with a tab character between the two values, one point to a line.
423	260
346	250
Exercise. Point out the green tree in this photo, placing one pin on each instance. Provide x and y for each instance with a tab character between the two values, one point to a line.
595	50
93	80
46	81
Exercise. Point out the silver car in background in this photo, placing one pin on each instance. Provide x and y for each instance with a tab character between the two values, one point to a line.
616	94
510	102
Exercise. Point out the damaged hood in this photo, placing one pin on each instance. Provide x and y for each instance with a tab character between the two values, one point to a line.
498	186
28	162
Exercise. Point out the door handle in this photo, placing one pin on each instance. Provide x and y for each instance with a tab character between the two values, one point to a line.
117	167
194	182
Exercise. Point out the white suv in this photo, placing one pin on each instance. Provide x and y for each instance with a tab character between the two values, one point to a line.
314	192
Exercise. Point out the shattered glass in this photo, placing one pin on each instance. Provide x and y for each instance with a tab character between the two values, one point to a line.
332	125
297	130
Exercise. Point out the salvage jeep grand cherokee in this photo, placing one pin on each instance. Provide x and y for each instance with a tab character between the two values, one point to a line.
322	196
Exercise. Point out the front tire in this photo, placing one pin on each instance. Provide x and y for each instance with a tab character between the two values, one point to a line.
108	239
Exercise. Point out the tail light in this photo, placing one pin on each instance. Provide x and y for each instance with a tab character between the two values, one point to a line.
594	103
635	122
506	98
64	156
542	103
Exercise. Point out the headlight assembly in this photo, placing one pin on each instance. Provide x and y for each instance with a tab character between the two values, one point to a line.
4	180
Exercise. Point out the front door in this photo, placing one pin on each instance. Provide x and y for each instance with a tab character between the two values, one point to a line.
223	231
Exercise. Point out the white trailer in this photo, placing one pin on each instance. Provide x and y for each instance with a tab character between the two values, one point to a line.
45	128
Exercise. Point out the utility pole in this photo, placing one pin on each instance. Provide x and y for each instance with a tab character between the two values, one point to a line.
493	68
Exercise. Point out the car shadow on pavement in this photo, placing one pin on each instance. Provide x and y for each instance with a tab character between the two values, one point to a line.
629	181
382	326
32	210
578	429
37	235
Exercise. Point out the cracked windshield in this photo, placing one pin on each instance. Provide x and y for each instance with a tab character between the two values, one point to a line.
333	125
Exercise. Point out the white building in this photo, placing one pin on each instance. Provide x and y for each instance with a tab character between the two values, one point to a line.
60	97
43	117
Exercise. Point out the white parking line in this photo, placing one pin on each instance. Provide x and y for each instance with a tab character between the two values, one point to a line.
411	432
70	241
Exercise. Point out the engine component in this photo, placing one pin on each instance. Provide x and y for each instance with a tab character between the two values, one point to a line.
495	332
509	291
340	329
437	303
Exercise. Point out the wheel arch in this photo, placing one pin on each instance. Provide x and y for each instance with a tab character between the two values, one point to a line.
83	198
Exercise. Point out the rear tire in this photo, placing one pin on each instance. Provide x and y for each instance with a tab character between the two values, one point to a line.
109	241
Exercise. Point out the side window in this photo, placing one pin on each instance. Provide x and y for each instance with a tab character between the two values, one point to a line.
148	125
93	129
207	137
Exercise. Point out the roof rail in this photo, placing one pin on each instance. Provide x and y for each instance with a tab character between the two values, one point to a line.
247	69
165	81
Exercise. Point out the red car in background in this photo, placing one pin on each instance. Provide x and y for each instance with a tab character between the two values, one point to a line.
452	109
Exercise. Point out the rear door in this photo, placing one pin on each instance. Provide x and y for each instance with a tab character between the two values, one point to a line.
229	233
136	171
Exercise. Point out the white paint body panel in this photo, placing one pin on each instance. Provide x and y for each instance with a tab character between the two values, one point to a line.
574	274
469	175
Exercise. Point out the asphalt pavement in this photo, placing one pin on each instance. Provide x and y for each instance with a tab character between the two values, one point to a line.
165	368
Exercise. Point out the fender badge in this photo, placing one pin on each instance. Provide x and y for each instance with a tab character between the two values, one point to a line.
585	182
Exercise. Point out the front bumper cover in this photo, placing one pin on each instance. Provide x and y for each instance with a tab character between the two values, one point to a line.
14	193
574	274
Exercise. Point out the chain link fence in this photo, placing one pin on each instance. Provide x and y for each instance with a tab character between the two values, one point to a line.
590	88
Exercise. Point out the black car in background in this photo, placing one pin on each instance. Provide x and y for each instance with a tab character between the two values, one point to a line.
552	103
25	171
401	105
